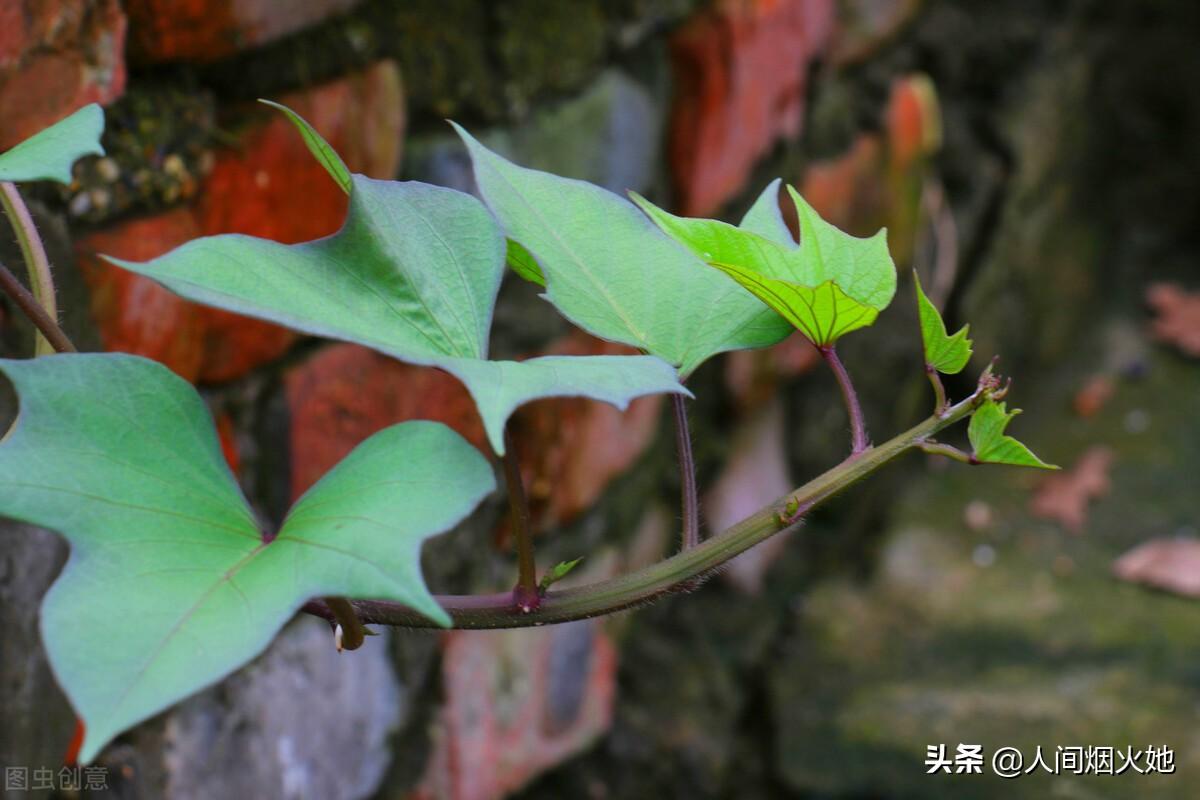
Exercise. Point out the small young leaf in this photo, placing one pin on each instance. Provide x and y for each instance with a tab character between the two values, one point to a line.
320	148
523	263
413	273
557	573
48	155
946	354
172	584
613	274
992	446
827	286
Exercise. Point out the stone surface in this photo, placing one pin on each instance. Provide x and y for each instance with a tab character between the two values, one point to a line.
609	135
56	56
36	722
270	187
205	30
517	703
865	26
302	721
740	73
1012	634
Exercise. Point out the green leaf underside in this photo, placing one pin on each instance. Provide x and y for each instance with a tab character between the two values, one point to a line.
523	263
947	354
170	585
992	446
827	286
823	314
320	149
413	273
48	155
765	218
613	274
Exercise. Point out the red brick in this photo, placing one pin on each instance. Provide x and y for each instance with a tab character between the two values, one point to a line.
572	448
205	30
269	186
914	125
228	438
740	71
518	702
136	315
877	183
56	56
345	393
848	190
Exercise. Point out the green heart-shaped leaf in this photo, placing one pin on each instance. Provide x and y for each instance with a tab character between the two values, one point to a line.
991	445
49	154
829	285
172	582
613	274
947	354
413	273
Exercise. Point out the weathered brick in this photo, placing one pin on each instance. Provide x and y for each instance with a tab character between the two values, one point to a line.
206	30
740	71
572	448
269	186
755	474
517	703
345	393
56	56
136	315
878	181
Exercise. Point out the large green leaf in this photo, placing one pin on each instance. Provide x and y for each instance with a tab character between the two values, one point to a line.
829	285
413	273
48	155
172	582
612	273
991	445
766	219
947	354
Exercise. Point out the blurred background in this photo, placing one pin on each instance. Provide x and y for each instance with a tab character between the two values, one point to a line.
1036	161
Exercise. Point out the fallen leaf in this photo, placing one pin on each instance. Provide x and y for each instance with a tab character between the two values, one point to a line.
1172	565
1178	316
1094	395
1064	497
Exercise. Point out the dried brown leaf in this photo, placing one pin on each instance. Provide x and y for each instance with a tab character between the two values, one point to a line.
1065	496
1178	316
1169	564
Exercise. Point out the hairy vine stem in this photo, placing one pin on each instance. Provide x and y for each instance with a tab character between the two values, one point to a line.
40	278
28	304
858	427
940	403
525	595
350	631
680	571
687	473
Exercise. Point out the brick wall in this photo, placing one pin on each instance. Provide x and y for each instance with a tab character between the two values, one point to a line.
695	104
